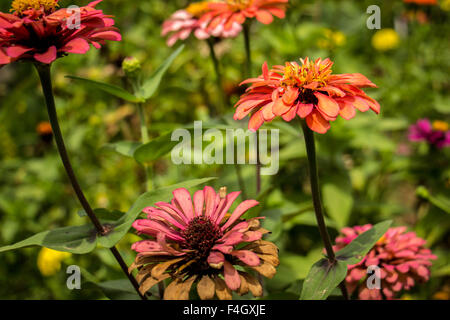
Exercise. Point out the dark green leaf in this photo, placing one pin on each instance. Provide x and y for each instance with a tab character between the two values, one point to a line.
151	84
109	88
155	149
125	148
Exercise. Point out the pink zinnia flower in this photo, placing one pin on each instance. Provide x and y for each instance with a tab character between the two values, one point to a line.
37	31
183	22
197	240
309	90
436	133
402	258
231	12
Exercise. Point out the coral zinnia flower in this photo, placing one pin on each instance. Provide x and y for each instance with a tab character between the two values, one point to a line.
183	22
199	242
37	31
436	133
309	90
402	258
230	12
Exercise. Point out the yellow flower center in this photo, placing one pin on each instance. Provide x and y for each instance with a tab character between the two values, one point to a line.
198	8
237	5
295	75
19	6
440	125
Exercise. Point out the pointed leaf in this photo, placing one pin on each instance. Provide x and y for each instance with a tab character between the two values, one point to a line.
151	85
125	148
109	88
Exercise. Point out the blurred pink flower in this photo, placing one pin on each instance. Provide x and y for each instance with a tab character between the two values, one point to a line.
37	31
198	240
402	258
436	133
183	22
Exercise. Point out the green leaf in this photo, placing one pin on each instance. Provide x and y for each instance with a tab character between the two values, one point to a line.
121	227
439	201
150	86
125	148
155	149
338	202
79	240
120	289
109	88
355	251
83	239
324	277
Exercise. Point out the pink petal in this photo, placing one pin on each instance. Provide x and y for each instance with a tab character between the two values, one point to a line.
199	201
231	276
216	259
17	51
239	211
47	57
183	199
78	45
248	257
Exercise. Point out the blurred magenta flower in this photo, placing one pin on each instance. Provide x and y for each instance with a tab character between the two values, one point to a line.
402	258
183	22
198	240
436	133
309	90
37	31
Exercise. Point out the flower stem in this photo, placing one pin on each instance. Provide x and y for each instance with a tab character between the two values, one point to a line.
248	69
314	180
215	61
145	139
46	82
225	102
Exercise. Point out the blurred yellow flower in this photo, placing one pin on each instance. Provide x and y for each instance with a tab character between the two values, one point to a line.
385	39
49	261
331	39
440	125
445	5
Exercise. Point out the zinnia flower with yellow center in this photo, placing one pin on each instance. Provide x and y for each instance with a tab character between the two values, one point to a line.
309	90
230	12
36	30
184	22
385	39
49	261
197	241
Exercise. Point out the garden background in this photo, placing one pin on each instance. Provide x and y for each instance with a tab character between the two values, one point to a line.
369	170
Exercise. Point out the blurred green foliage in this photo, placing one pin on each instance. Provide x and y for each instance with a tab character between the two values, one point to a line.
368	168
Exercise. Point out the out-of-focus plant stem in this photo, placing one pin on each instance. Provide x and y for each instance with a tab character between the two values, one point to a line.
315	190
145	139
224	102
46	82
248	64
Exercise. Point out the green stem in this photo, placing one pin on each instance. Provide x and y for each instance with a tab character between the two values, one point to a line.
314	180
248	69
46	82
145	139
215	61
225	102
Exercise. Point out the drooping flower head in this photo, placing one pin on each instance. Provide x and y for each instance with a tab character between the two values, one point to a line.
198	241
37	31
231	12
436	134
309	90
183	22
401	256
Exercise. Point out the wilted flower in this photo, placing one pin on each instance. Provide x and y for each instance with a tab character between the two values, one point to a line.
231	12
309	90
183	22
385	39
49	261
37	31
436	133
401	256
198	241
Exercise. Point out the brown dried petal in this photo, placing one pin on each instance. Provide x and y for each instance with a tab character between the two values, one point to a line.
222	291
270	258
179	289
253	285
243	289
144	272
266	269
160	268
150	282
206	288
